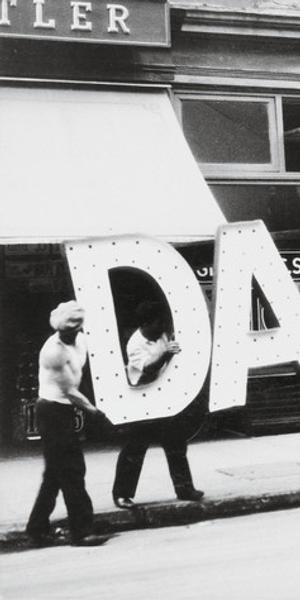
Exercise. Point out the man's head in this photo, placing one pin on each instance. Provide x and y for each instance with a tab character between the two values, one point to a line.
152	318
67	318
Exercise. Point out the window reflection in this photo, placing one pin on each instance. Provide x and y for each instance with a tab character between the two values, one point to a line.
276	205
227	131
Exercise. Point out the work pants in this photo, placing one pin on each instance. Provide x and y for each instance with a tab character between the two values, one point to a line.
131	458
64	470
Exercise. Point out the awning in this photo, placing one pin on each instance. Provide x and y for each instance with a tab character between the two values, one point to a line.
81	163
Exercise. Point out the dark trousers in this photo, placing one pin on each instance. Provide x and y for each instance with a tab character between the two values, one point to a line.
64	470
131	458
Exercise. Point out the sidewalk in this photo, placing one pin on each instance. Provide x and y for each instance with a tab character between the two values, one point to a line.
238	476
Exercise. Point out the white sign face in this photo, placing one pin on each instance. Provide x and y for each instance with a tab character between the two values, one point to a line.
246	250
181	381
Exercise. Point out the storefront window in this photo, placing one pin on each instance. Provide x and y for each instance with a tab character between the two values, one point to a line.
291	123
230	131
276	205
248	148
35	278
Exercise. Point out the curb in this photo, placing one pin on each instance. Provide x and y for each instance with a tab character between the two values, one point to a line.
159	514
167	514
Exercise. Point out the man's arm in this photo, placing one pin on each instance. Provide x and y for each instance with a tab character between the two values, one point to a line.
141	365
56	361
151	368
81	401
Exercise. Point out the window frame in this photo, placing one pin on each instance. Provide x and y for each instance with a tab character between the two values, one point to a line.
242	170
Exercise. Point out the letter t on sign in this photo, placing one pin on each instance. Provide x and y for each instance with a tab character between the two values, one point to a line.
4	18
243	251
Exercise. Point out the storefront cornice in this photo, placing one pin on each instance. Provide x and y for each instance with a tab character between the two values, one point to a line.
82	84
235	80
263	23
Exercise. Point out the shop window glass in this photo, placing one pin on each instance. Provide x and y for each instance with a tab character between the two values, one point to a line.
276	205
222	131
291	125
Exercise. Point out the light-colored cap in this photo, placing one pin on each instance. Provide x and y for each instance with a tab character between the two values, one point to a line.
67	315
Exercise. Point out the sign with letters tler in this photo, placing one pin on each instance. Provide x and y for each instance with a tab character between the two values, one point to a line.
132	22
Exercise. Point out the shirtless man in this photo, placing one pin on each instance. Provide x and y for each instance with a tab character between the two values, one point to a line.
60	370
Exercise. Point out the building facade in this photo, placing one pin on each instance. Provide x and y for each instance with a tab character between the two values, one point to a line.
231	70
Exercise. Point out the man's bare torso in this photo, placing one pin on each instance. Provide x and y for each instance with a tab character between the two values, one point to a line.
60	368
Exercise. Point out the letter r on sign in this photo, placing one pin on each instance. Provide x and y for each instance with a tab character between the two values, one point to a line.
117	15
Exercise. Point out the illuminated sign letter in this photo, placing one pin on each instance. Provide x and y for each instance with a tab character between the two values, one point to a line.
79	18
183	377
117	15
243	251
4	11
39	18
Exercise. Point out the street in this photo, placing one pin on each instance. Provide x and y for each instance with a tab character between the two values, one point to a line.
253	557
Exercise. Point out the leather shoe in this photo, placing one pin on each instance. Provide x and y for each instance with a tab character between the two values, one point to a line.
192	495
42	540
49	538
90	540
124	502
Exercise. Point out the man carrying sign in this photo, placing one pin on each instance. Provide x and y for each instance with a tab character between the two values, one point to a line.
149	349
60	370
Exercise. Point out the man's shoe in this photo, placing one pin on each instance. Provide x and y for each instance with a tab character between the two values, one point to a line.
42	540
124	502
91	540
53	538
192	495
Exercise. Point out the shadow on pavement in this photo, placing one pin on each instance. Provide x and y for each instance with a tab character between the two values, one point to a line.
19	542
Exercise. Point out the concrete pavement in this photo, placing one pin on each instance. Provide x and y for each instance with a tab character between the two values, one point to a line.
239	476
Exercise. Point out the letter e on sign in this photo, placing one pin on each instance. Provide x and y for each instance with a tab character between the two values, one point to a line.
246	250
80	22
181	381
